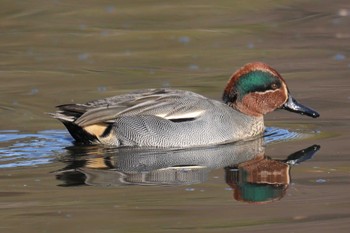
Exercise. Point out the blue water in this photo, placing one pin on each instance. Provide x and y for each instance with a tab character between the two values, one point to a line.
22	149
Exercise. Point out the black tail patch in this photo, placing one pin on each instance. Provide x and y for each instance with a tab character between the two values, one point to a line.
79	134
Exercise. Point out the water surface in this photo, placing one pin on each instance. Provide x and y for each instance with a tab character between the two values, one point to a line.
60	52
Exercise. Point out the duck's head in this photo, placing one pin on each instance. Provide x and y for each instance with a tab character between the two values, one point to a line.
257	89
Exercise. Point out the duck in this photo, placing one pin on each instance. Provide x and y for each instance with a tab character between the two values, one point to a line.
170	118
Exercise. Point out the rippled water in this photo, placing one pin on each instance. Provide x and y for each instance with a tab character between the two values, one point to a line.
20	149
58	52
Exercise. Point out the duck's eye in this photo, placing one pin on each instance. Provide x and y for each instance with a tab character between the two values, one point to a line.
274	86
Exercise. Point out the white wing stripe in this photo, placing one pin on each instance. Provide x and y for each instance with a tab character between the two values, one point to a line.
181	116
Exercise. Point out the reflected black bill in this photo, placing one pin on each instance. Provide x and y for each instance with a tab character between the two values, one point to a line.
293	106
302	155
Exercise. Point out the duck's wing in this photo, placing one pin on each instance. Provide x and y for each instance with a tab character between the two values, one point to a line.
170	104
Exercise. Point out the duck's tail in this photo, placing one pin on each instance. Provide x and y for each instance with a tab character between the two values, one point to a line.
68	114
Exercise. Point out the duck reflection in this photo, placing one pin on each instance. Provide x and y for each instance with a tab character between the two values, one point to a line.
253	176
263	179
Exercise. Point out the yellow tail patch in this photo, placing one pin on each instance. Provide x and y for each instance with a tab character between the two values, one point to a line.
96	129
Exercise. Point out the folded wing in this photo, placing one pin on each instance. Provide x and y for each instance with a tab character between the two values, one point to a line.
169	104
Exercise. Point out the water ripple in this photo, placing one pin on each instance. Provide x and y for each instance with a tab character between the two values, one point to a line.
23	149
274	134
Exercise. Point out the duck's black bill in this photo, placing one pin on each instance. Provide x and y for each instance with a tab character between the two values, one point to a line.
293	106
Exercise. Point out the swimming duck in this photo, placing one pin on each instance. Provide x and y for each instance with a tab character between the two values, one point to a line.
175	118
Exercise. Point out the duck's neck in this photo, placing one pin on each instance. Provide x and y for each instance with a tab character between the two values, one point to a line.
246	105
246	109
